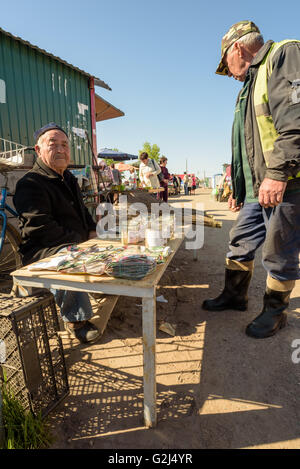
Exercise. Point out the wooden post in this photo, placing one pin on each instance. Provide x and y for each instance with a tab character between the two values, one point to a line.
195	254
149	346
93	120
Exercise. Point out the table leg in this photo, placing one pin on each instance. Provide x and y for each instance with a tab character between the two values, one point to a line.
195	254
149	346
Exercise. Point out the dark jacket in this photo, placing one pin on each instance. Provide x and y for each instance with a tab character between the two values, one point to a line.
285	158
166	175
51	212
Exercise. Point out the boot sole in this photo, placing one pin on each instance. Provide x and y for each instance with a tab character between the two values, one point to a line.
235	308
81	341
280	325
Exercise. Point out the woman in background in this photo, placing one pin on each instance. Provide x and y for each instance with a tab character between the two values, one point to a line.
164	182
148	171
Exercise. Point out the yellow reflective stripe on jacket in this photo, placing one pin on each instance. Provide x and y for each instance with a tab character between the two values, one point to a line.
266	127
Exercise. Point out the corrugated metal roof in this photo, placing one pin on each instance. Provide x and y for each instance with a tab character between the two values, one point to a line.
98	81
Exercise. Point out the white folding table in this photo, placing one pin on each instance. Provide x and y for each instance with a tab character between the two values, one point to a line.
145	289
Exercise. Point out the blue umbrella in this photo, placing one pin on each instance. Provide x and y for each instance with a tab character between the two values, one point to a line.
107	153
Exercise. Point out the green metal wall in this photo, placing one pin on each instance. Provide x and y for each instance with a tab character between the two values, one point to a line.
36	89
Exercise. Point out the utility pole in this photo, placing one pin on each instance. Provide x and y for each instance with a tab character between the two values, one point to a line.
186	167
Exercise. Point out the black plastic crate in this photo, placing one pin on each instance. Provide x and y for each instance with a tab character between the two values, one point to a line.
31	352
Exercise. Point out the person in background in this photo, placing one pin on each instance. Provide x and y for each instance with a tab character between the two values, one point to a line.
102	165
53	216
179	183
175	184
132	178
148	171
163	195
190	183
193	185
265	173
105	182
186	184
220	192
116	181
116	175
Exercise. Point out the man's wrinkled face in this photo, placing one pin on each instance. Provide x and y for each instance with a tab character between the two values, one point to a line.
236	65
53	149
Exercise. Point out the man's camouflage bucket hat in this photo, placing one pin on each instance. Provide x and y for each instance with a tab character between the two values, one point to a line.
236	31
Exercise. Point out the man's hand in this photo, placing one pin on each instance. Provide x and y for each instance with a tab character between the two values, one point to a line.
233	206
271	192
92	234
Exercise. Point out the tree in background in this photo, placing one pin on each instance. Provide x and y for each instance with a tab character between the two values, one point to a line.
152	150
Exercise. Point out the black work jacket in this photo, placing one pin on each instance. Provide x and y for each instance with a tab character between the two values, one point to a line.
51	211
285	158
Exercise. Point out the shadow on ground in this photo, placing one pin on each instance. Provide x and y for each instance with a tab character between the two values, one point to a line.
216	387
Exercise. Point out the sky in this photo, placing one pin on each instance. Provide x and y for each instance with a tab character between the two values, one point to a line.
159	57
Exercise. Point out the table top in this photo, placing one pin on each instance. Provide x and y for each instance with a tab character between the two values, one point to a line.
147	282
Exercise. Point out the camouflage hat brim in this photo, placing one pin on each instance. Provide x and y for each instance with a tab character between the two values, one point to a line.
222	69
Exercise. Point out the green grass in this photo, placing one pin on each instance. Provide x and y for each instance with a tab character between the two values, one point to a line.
22	429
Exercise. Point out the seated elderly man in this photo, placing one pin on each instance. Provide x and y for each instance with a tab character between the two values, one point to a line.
52	216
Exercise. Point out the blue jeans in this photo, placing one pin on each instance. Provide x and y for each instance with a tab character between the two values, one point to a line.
74	305
186	189
277	228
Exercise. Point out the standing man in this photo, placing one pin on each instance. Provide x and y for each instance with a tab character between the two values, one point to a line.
179	183
175	184
186	183
116	180
53	216
265	173
116	175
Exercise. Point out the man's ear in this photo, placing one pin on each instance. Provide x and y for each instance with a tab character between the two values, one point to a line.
240	49
37	149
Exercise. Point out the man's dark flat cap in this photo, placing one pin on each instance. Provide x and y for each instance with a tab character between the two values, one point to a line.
45	128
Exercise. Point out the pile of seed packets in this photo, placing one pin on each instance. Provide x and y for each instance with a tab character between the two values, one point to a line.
91	260
131	262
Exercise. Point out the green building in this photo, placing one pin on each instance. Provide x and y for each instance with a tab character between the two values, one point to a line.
36	88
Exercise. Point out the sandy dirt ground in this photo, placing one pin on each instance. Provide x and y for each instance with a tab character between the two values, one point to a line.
216	387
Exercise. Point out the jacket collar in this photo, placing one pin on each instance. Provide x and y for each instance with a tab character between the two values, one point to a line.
261	53
41	168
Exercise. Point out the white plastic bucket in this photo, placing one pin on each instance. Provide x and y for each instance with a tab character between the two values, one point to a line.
153	238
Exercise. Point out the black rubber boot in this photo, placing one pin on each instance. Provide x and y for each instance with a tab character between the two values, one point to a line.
234	295
272	318
85	332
